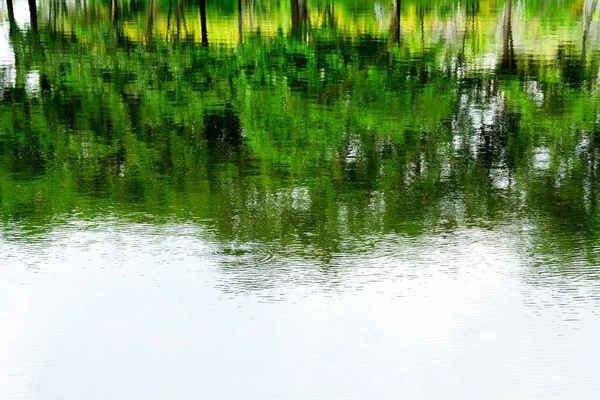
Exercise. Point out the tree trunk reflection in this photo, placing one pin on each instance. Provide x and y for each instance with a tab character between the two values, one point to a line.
508	62
203	29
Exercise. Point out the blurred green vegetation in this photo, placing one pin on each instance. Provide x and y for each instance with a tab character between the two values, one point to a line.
449	116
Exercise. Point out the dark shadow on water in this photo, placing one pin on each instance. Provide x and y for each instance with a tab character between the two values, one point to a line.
222	128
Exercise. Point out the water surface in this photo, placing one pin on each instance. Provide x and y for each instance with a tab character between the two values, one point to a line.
320	199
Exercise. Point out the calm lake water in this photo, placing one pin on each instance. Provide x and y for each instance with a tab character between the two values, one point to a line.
307	199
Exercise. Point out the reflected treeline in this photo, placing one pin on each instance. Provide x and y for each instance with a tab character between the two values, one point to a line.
311	145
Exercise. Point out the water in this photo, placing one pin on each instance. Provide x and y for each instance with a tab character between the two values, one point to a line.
338	200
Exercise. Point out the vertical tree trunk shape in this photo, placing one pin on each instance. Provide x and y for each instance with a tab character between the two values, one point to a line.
329	15
169	18
508	62
149	21
240	22
54	18
422	19
461	54
203	29
33	15
250	11
303	8
295	19
114	13
178	17
395	25
586	30
11	12
299	16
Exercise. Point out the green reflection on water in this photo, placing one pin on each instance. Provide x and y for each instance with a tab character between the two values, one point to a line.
315	127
